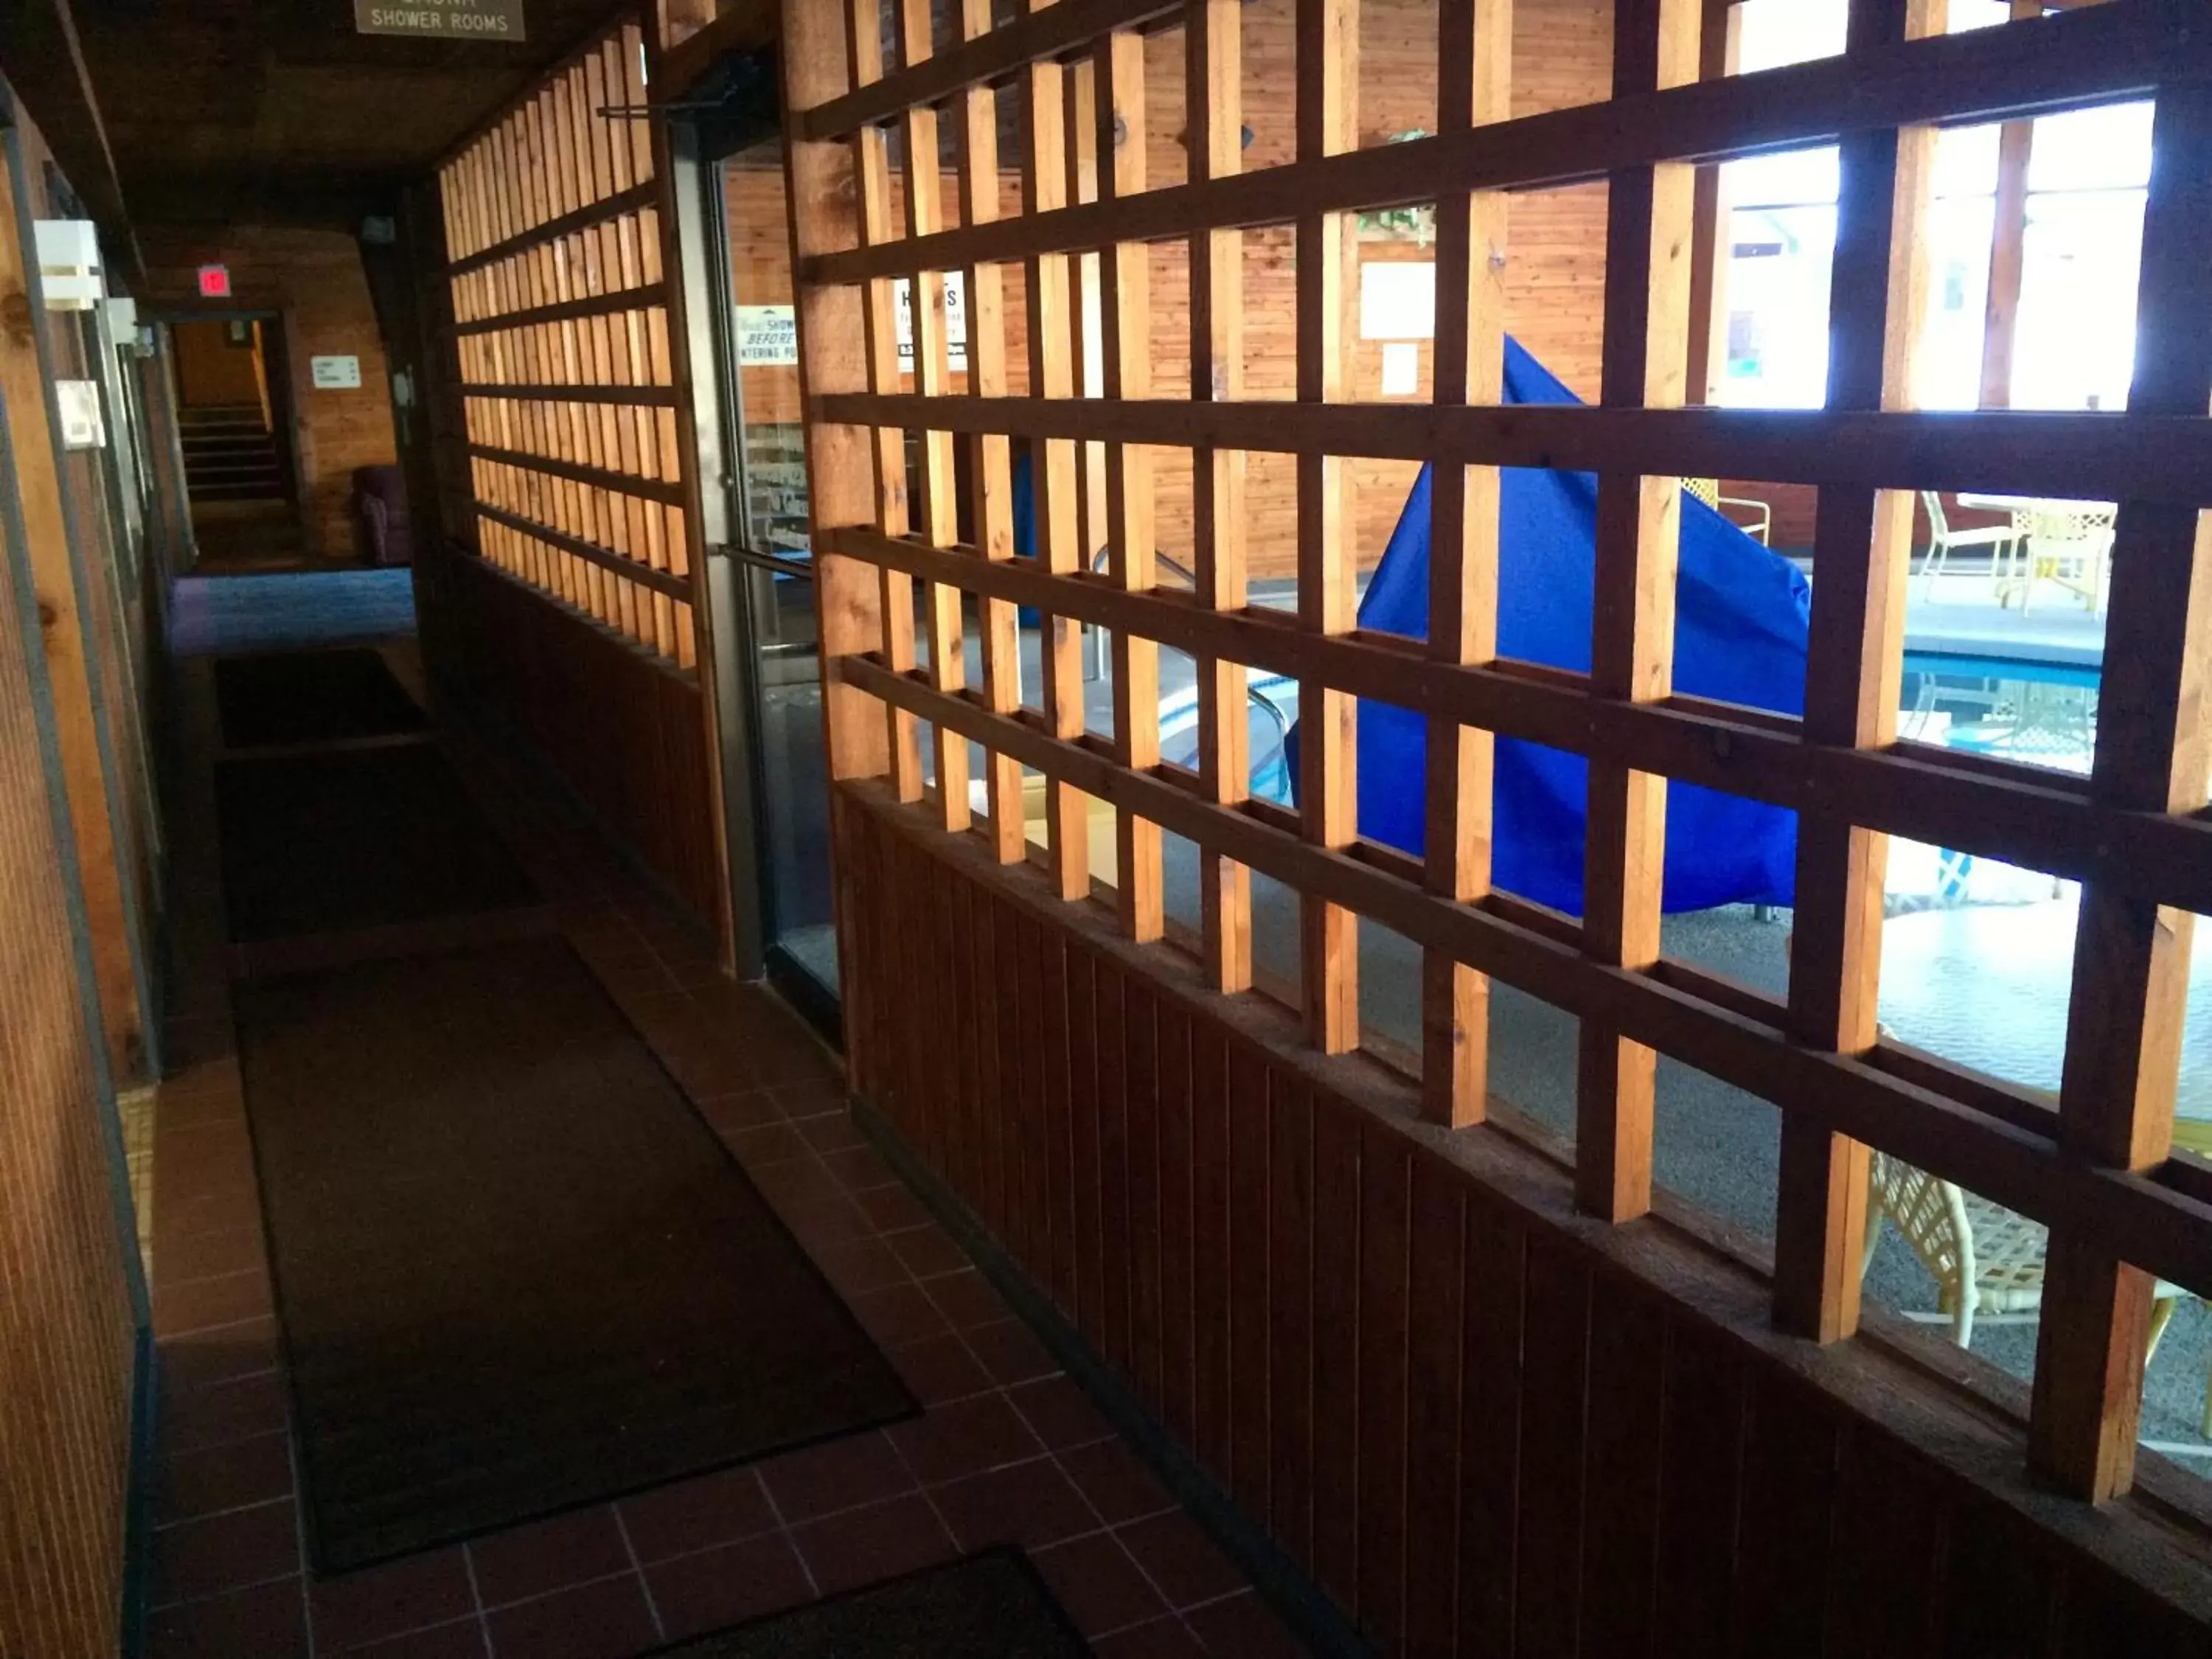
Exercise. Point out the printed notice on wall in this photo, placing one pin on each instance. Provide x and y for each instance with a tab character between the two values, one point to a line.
1397	300
768	335
335	374
448	20
956	323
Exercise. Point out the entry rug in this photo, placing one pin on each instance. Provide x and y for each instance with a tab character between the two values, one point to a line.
298	697
989	1606
355	838
516	1271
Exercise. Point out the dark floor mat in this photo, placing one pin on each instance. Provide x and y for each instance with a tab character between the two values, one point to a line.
355	838
987	1607
312	696
516	1271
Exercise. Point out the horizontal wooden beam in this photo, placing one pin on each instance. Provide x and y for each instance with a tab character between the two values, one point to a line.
636	397
642	298
2165	1231
2123	50
1054	32
661	581
595	213
667	490
2020	815
2084	456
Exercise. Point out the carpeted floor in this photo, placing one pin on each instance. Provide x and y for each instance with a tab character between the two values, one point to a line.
987	1606
312	696
515	1269
216	616
330	842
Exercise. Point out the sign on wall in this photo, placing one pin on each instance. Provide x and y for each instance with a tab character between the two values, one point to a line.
768	335
956	323
215	282
335	374
448	20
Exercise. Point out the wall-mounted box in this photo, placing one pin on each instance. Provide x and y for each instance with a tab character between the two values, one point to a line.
81	426
68	263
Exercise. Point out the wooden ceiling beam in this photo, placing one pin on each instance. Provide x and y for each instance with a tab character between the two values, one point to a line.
43	61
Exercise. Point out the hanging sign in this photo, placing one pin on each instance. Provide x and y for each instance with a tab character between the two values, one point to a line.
448	20
768	335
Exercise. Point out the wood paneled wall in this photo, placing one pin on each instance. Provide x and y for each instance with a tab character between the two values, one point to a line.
314	281
622	728
1486	1424
68	1323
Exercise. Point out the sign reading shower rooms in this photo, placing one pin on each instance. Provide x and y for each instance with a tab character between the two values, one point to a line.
448	20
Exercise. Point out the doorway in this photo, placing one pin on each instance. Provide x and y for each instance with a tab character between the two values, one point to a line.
234	410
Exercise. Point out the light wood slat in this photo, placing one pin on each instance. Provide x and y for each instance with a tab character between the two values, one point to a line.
2167	1230
1855	661
833	351
623	482
574	391
2154	754
1475	86
932	381
1125	306
1647	296
2084	456
630	297
2008	245
2103	54
1327	124
2014	813
990	454
1213	125
1052	462
1038	36
603	558
887	445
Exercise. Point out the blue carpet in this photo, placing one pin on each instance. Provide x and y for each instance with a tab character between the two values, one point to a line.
222	616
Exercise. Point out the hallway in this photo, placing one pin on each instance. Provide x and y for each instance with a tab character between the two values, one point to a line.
981	1442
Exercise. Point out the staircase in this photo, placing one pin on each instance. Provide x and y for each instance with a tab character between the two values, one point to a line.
230	454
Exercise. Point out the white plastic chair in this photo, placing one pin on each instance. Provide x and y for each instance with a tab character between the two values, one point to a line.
2002	539
2071	543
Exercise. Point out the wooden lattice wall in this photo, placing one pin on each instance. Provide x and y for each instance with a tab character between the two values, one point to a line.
560	306
2096	1170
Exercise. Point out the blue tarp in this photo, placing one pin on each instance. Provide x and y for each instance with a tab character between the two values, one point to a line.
1741	616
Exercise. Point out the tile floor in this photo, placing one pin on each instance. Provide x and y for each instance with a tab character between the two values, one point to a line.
1007	1450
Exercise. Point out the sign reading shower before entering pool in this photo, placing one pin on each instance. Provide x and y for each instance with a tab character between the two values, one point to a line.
335	374
448	20
768	335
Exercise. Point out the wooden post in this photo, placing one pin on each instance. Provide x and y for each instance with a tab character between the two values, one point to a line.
1327	124
55	557
1633	638
2007	242
2154	750
1475	86
1863	544
1213	95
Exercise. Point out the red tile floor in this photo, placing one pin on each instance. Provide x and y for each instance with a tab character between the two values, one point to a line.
1008	1450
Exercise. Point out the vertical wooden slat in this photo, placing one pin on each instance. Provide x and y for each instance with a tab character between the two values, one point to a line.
990	455
1853	664
1475	86
948	670
2007	248
1125	304
1213	116
1335	1258
1177	1158
1290	1295
1053	461
1250	1470
1632	633
1327	124
2153	755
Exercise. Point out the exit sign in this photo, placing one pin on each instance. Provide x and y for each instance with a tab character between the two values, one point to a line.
215	282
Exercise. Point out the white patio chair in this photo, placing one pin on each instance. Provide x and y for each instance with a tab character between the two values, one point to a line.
1987	1260
1761	515
2002	539
2070	544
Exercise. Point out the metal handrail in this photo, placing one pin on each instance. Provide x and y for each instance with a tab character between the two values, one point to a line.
1099	560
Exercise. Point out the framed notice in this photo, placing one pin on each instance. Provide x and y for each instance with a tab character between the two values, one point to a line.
335	374
447	20
768	335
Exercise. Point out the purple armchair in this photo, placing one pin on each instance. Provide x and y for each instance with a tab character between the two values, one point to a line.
379	509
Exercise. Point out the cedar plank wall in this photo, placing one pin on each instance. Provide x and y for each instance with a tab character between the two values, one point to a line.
314	277
1485	1424
66	1325
1555	253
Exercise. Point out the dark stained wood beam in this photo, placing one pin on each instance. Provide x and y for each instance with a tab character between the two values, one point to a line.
43	61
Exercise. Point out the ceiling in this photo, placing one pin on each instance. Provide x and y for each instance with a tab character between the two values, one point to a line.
264	112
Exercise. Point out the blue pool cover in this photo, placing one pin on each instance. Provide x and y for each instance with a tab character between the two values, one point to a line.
1741	623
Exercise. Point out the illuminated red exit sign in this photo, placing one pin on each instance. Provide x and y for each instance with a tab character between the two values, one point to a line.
215	282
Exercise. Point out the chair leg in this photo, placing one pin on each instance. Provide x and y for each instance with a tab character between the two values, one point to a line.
2161	1315
1962	1322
